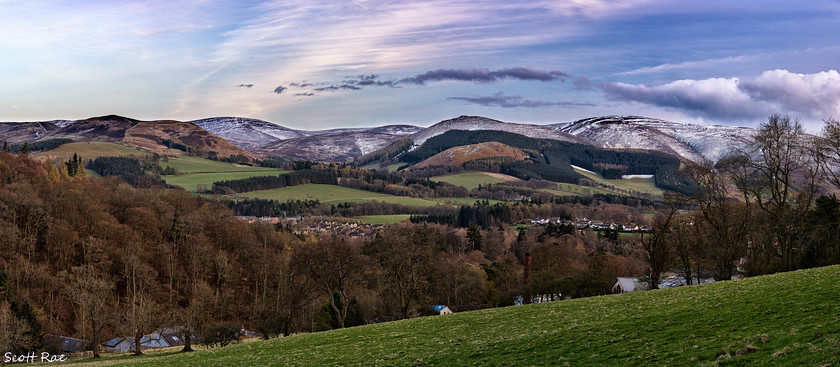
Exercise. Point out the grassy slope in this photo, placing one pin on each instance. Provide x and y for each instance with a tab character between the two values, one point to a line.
191	181
643	185
782	319
333	194
91	151
194	171
470	180
338	194
185	164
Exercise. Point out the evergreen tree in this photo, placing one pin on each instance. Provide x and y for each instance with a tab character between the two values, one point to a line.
25	149
30	328
5	147
474	237
75	167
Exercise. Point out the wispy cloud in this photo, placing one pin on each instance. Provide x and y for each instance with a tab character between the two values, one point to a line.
244	85
513	101
280	89
813	95
484	75
472	75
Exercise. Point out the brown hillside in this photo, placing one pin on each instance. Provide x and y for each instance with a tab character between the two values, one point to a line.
145	135
457	156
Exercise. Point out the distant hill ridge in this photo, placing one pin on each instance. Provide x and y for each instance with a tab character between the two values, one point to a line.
691	142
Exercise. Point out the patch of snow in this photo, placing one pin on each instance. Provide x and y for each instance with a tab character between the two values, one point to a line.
627	177
697	143
583	169
472	123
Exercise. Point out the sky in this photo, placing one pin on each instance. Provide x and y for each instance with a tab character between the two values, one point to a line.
309	64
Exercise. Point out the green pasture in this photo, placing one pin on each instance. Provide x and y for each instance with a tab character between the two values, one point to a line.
643	185
186	164
469	180
191	181
333	194
786	319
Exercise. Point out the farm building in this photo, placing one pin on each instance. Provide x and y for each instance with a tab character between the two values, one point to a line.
159	338
66	344
627	285
441	309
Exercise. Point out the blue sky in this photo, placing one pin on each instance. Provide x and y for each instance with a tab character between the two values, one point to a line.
322	64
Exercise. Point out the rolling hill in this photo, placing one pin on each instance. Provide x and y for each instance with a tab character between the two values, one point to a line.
456	156
696	143
145	135
333	145
784	319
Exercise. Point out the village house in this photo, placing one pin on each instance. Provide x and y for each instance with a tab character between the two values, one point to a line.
627	285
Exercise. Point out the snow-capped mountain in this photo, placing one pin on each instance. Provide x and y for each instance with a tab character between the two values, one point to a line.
694	142
323	145
250	134
399	130
335	147
483	123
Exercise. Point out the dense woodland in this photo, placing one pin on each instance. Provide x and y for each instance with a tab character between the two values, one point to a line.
97	258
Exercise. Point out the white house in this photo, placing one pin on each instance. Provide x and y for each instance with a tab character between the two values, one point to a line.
442	309
626	285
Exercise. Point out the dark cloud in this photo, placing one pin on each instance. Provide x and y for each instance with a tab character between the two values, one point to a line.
357	82
279	89
330	88
371	79
245	85
484	75
305	94
513	101
523	73
716	98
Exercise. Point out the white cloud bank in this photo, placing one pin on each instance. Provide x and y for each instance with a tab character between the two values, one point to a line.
815	96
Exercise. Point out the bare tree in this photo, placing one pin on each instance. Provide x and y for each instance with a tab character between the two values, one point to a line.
828	149
90	292
687	245
14	332
722	223
659	250
404	255
138	308
782	176
334	264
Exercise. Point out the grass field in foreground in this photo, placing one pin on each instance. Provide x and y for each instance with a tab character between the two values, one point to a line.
643	185
469	180
90	151
783	319
191	181
384	219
